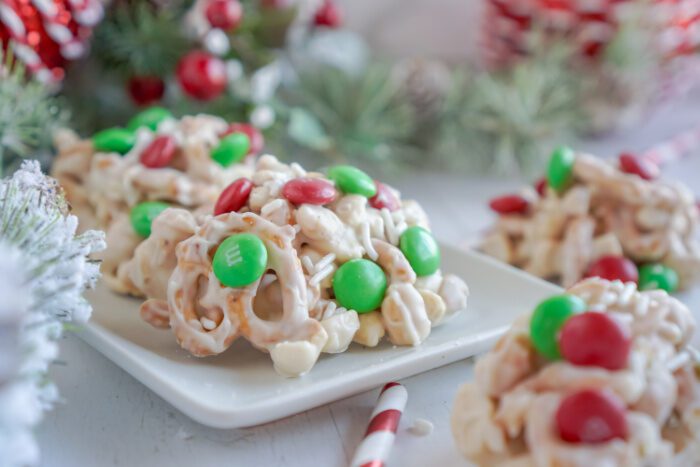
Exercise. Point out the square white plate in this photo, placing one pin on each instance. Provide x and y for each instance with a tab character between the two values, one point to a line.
240	388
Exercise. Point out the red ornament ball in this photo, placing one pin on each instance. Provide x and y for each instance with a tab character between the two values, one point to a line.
146	90
224	14
595	339
257	140
634	165
328	15
385	198
159	153
614	268
309	191
591	416
201	75
234	196
509	204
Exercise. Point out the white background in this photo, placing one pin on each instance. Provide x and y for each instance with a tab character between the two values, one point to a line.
108	418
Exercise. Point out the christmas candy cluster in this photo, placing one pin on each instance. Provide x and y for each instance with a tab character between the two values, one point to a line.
296	262
591	217
121	178
600	375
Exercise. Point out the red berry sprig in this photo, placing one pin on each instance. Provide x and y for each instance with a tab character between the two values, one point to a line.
224	14
201	76
146	90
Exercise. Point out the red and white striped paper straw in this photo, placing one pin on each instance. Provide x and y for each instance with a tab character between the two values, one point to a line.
375	447
675	148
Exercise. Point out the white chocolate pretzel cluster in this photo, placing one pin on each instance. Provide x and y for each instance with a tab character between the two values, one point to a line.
310	229
603	210
516	412
104	186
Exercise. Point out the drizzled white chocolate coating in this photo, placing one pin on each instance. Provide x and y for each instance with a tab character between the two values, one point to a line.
506	417
604	212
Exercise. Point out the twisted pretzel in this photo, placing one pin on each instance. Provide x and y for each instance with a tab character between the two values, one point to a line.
294	340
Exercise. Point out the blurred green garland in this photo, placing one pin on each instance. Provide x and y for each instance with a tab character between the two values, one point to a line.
415	113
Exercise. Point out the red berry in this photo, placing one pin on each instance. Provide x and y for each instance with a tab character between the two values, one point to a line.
159	153
146	90
614	268
257	140
234	196
224	14
644	168
385	198
328	15
201	76
510	204
595	339
541	186
309	191
591	416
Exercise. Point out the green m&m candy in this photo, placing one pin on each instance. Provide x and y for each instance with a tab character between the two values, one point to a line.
547	320
142	216
658	276
421	250
352	180
240	260
359	285
560	169
231	149
117	140
149	118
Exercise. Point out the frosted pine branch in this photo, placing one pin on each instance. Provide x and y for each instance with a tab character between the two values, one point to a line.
44	271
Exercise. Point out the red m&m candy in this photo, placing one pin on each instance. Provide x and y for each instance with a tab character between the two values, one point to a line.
309	191
159	153
385	198
595	339
591	416
541	186
644	168
234	196
257	140
510	204
614	268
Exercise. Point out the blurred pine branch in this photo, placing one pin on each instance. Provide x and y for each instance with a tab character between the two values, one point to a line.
28	115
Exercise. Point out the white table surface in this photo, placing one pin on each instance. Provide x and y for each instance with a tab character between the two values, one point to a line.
109	418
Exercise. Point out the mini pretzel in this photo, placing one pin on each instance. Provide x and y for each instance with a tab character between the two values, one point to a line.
195	294
154	259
